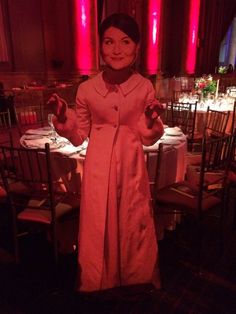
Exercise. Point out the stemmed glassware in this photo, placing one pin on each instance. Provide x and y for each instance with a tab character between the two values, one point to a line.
53	132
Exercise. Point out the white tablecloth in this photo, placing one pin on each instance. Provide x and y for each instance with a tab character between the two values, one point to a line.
67	162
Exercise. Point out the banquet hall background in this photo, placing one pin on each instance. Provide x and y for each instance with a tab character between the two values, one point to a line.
43	40
52	46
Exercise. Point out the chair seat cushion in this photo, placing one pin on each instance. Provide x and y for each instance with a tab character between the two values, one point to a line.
185	196
193	158
68	206
232	176
20	188
211	179
3	193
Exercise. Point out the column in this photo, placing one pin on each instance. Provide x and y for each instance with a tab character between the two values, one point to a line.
86	37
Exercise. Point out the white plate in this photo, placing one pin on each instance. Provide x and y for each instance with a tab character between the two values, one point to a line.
173	132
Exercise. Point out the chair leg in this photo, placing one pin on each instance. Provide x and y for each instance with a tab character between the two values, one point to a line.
230	196
15	235
234	215
222	216
199	247
55	244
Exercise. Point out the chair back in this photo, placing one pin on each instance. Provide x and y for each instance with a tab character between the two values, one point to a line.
233	126
216	156
5	127
30	168
216	122
167	115
29	116
153	163
5	120
184	116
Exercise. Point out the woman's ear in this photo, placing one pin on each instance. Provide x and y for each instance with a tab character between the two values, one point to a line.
136	53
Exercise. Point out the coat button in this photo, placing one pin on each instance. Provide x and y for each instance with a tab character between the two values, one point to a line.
116	108
115	125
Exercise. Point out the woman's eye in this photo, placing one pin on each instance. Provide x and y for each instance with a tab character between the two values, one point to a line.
107	42
126	41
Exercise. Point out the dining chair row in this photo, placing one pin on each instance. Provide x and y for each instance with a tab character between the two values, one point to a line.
184	115
24	114
199	197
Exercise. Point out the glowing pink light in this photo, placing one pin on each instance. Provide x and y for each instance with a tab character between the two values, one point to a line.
83	16
154	15
192	36
83	34
154	31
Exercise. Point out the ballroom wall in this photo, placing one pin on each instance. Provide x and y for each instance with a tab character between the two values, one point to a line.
40	35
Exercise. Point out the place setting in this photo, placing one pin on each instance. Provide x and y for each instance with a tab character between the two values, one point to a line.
37	138
172	136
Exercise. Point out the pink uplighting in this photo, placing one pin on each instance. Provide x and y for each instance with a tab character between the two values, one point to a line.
192	36
83	33
154	16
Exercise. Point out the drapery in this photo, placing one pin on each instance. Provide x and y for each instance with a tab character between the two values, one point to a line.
215	18
3	42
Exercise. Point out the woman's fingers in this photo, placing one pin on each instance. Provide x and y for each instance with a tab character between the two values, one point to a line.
154	109
57	105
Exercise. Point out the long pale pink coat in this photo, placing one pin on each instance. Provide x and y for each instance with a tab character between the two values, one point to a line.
117	242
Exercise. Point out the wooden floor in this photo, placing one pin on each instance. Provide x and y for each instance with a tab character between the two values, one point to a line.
36	286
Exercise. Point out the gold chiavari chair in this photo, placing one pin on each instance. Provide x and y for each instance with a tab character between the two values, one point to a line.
182	115
197	199
43	206
216	122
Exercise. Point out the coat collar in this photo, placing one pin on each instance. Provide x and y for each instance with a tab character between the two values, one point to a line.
104	88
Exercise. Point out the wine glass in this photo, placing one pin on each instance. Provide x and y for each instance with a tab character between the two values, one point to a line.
53	132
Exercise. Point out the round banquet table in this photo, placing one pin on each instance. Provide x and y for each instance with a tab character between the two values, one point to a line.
67	162
219	104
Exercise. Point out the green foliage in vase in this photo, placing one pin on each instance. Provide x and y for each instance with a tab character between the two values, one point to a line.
205	85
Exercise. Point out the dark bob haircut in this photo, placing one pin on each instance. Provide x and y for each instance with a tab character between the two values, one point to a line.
123	22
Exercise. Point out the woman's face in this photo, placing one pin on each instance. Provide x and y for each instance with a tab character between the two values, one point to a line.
118	50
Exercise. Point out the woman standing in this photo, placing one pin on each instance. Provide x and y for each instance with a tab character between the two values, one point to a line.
116	109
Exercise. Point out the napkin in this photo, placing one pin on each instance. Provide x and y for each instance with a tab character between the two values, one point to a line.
170	141
69	150
83	152
41	131
37	142
152	147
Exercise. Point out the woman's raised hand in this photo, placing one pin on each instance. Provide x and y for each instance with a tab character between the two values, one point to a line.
152	111
58	107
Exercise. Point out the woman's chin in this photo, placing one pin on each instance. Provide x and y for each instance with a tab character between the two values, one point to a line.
118	68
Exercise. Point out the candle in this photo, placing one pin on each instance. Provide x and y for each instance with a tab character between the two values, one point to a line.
217	88
22	117
34	117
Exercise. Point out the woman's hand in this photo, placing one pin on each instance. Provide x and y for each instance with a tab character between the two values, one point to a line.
152	111
58	107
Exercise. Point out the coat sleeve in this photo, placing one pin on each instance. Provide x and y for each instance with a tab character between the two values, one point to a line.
78	122
150	136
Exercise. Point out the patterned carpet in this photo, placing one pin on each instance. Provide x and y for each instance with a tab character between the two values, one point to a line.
37	286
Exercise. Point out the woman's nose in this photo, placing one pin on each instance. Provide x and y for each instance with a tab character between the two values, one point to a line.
117	48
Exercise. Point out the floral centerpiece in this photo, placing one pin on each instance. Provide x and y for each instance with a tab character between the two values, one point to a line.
222	70
205	85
